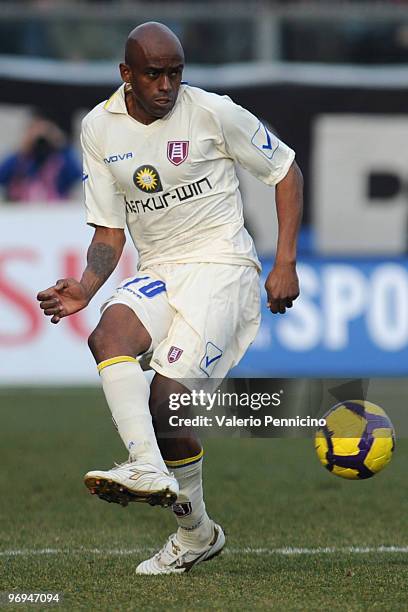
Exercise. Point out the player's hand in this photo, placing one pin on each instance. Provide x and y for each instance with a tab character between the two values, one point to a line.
64	298
282	287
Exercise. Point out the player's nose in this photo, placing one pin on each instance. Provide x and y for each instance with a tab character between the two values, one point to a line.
164	83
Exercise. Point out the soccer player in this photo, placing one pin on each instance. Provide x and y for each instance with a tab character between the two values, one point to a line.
159	157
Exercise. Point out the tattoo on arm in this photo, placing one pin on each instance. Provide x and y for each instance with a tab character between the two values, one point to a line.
102	259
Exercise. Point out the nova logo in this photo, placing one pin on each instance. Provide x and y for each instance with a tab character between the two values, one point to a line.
119	157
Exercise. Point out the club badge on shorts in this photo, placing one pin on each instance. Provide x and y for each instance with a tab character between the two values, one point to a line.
174	354
177	151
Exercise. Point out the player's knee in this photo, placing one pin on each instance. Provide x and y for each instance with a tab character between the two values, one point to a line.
97	342
104	345
106	342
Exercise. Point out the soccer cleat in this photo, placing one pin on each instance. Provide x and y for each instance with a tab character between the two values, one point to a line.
174	558
133	482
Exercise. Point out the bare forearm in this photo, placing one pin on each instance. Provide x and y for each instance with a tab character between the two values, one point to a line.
103	255
289	206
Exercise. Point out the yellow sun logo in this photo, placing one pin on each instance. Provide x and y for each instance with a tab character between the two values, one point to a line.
146	179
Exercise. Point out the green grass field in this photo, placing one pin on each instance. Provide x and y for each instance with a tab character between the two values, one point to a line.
272	496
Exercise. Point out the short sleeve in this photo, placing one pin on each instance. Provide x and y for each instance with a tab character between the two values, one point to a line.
104	202
250	143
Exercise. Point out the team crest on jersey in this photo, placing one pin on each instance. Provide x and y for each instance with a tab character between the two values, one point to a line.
174	354
147	179
177	151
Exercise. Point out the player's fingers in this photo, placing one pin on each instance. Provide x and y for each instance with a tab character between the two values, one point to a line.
56	310
61	284
289	303
55	319
54	303
273	306
47	294
278	306
50	293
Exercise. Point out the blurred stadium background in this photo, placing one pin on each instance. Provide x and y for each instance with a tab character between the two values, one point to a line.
330	77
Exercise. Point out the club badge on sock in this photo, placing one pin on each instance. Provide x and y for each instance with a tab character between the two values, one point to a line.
182	510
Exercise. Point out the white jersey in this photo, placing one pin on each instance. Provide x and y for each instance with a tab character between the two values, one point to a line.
173	182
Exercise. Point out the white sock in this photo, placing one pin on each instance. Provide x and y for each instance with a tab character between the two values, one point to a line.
195	528
127	393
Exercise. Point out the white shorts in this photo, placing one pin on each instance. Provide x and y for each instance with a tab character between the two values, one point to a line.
201	317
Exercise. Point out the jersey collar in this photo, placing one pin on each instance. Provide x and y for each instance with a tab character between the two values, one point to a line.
116	103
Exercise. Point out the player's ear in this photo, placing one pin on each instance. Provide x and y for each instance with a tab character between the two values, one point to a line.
125	72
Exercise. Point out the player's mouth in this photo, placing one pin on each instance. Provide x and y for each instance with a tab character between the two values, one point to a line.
163	101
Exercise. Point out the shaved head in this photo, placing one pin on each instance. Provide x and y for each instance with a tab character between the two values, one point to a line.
154	62
152	39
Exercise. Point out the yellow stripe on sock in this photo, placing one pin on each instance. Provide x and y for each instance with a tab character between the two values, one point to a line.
113	360
183	462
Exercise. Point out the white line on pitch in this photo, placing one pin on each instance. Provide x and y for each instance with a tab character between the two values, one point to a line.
289	551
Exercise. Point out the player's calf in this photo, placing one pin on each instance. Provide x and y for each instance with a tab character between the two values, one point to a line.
115	343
